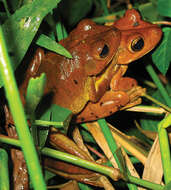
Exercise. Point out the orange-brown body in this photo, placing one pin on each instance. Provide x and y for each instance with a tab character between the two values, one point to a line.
91	83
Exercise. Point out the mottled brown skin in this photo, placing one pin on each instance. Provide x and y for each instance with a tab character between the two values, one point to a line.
91	83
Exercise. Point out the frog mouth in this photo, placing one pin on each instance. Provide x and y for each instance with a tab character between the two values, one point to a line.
104	78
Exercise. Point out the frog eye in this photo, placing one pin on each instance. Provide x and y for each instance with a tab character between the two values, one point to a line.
137	44
104	52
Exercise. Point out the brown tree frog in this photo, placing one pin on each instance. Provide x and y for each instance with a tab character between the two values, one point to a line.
91	84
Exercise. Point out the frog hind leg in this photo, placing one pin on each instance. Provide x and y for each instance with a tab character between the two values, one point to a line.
110	102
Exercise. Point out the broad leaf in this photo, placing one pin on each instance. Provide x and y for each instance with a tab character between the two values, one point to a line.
74	11
164	7
21	27
34	94
162	56
61	114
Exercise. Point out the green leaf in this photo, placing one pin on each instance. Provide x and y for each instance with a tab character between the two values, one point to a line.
162	56
61	31
48	175
149	12
121	159
35	92
74	11
22	26
48	43
57	114
43	131
164	7
61	114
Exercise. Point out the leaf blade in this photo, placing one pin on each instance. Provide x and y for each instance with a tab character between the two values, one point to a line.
48	43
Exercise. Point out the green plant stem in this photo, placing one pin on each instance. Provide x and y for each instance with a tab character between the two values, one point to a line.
165	147
10	141
17	111
111	172
4	175
158	83
144	183
6	8
105	9
60	31
83	163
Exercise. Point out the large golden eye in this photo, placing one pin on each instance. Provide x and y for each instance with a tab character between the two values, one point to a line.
137	44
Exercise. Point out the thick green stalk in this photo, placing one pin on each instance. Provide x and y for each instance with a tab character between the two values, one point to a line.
111	172
17	111
165	147
159	84
4	176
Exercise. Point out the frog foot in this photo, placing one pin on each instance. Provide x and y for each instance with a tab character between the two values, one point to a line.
135	96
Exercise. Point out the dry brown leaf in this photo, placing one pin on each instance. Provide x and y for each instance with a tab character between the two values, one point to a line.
79	141
97	134
130	166
153	170
125	141
106	183
72	185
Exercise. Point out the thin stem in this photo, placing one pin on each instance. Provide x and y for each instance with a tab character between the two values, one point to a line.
6	8
17	111
10	141
165	147
48	123
104	5
157	102
159	84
